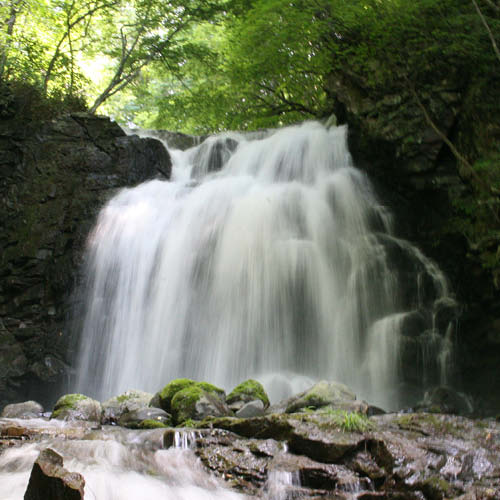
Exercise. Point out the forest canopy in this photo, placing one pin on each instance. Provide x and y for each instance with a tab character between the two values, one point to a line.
201	66
205	65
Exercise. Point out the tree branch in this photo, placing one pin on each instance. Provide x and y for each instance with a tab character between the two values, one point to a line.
486	25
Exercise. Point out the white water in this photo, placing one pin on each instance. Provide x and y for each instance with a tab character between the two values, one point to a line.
277	267
117	465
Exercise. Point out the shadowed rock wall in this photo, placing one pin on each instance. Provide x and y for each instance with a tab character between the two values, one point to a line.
54	177
417	175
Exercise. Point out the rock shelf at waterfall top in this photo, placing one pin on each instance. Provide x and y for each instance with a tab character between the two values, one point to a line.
322	443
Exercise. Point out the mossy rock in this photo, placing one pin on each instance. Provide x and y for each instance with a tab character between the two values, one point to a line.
195	403
152	424
145	418
247	391
114	408
168	392
77	407
331	394
165	396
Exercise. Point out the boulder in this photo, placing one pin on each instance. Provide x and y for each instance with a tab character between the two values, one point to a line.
247	391
196	403
114	408
163	399
50	480
253	408
145	418
28	409
444	399
77	407
321	396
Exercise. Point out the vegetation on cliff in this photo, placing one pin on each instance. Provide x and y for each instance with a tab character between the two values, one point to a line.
206	65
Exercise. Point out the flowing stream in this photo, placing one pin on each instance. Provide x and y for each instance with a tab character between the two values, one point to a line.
116	463
267	256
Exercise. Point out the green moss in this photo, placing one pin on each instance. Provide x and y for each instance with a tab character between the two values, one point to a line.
250	388
418	422
184	401
151	424
189	423
211	388
67	402
171	389
168	393
436	484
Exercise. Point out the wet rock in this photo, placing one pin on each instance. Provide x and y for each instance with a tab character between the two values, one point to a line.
250	409
212	154
28	409
54	177
114	408
163	399
77	407
332	395
196	403
445	400
50	480
145	418
316	436
243	463
245	392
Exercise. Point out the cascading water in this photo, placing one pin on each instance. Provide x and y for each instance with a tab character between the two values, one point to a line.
267	256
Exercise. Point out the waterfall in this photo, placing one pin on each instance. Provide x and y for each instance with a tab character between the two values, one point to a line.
267	256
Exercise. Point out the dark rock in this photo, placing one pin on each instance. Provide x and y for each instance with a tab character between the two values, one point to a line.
54	177
50	480
212	155
446	400
28	409
174	140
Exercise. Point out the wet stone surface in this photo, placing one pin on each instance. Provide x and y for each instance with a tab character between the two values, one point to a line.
399	457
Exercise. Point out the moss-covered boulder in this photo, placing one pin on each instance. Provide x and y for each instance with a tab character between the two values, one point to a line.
197	401
324	395
247	391
163	399
114	408
77	407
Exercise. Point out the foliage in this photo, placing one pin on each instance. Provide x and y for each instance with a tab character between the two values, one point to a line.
57	45
478	215
349	421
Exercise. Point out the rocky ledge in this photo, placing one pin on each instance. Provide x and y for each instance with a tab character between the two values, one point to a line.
322	443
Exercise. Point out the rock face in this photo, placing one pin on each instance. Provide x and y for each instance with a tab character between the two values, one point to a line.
416	174
49	479
399	456
54	177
